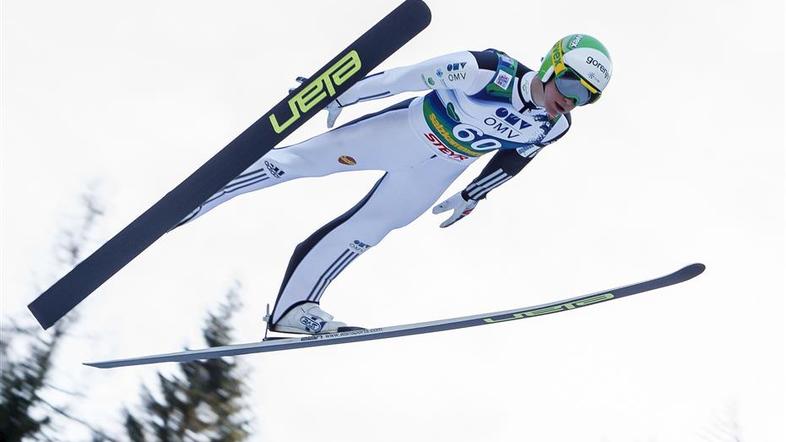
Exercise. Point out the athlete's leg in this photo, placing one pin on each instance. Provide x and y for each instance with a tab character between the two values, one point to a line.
368	143
397	199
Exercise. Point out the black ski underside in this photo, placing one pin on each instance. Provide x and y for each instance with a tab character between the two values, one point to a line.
351	65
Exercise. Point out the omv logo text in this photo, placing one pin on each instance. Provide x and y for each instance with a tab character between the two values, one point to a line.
505	123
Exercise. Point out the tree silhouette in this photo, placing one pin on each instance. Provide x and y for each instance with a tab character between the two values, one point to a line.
25	411
204	401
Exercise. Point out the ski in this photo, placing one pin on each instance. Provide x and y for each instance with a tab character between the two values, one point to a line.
677	277
333	79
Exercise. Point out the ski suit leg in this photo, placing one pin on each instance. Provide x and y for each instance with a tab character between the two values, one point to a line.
346	148
397	199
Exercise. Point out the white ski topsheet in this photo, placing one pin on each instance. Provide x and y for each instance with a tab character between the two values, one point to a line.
679	276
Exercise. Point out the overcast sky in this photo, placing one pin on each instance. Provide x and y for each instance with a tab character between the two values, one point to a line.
681	161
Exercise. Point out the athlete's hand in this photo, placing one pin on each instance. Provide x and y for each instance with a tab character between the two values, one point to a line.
458	204
300	80
333	108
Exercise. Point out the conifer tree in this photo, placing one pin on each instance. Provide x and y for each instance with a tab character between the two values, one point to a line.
203	401
27	352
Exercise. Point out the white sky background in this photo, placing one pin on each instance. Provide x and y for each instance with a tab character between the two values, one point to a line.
681	161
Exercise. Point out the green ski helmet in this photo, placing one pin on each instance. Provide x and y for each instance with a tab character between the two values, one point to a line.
581	64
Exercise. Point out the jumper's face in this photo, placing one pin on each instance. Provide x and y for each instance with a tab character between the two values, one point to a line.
554	102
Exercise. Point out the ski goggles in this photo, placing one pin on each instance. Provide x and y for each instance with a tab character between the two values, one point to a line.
569	83
572	86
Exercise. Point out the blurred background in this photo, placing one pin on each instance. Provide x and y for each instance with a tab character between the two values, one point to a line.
107	106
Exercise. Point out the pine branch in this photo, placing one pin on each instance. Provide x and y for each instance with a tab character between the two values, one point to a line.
24	380
69	416
62	390
205	398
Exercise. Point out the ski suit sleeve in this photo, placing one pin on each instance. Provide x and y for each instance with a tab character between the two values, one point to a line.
505	164
430	74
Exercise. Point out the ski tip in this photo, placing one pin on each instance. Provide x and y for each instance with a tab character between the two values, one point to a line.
693	270
426	12
418	11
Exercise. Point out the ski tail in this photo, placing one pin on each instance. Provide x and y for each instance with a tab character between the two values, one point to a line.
333	79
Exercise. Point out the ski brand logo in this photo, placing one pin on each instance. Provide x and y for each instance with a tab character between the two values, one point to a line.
319	89
274	170
552	309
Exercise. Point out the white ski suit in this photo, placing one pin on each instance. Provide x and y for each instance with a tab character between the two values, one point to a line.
480	101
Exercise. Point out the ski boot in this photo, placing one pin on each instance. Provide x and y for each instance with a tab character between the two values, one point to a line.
308	319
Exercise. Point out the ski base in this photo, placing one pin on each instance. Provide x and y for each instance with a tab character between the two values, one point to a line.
682	275
355	62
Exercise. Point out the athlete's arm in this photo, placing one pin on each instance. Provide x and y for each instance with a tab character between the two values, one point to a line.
465	71
502	167
458	71
505	164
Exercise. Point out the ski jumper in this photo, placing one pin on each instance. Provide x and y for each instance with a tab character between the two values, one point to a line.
479	102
